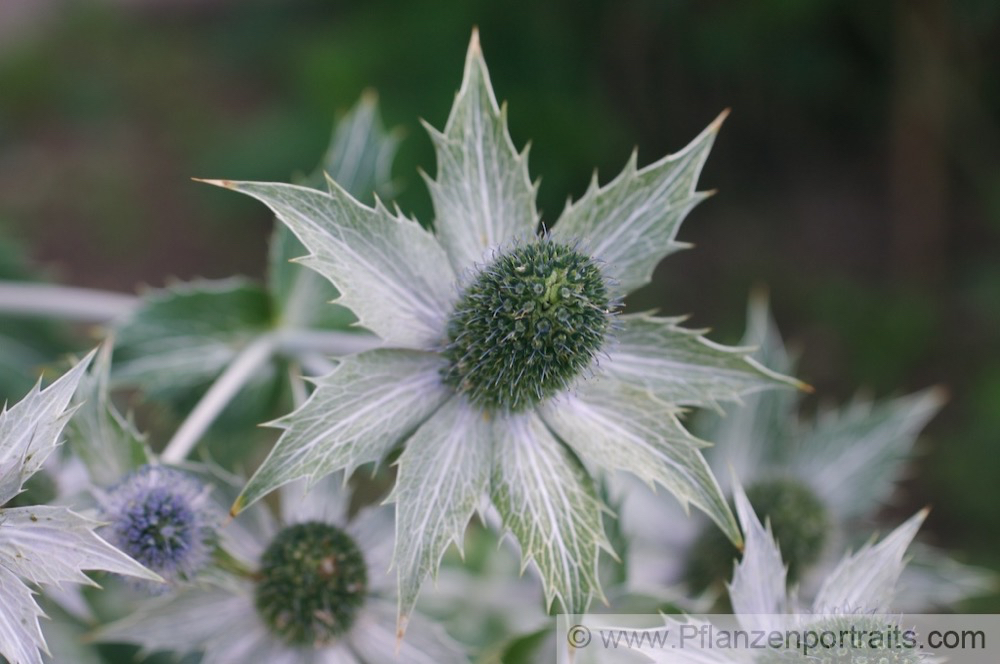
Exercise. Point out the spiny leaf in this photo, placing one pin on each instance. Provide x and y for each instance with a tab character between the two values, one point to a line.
548	502
391	273
107	443
679	367
20	634
46	544
444	475
183	336
358	158
357	414
866	580
29	430
631	222
483	197
616	427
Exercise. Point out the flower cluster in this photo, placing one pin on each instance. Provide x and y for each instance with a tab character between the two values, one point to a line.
490	358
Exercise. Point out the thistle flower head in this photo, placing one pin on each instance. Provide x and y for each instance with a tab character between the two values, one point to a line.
312	581
160	517
799	521
492	380
307	587
529	323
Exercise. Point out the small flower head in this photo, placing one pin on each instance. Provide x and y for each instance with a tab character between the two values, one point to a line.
528	324
159	517
798	518
312	581
799	521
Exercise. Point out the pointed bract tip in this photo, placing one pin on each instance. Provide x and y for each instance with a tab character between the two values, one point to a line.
401	624
717	122
369	96
237	507
228	184
474	48
805	387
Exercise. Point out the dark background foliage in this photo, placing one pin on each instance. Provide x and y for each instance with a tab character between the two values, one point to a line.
859	173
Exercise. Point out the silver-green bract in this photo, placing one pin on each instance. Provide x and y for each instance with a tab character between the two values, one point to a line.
403	283
42	544
858	592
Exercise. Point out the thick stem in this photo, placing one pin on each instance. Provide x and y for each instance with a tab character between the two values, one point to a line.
79	304
217	398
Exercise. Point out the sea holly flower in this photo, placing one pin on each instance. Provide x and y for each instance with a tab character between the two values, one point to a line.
309	588
858	593
42	544
163	518
506	365
819	482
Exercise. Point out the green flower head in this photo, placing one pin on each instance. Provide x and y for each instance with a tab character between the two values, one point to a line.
506	370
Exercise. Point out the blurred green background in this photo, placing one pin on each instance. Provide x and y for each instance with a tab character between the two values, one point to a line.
859	173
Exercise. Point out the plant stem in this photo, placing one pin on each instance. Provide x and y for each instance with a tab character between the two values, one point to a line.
297	342
79	304
217	398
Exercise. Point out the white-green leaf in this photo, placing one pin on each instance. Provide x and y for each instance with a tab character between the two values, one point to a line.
631	222
854	456
107	443
613	426
934	580
548	502
758	432
679	367
30	429
183	336
361	152
443	477
54	544
358	412
391	273
204	615
483	196
20	635
866	580
758	587
358	159
373	639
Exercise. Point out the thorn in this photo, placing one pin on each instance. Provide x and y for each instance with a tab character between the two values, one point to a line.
717	122
474	48
228	184
400	632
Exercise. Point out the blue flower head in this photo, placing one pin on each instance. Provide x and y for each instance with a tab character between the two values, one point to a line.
162	518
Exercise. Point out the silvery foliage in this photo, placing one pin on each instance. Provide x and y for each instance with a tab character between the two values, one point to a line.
852	458
219	619
42	545
401	282
862	585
